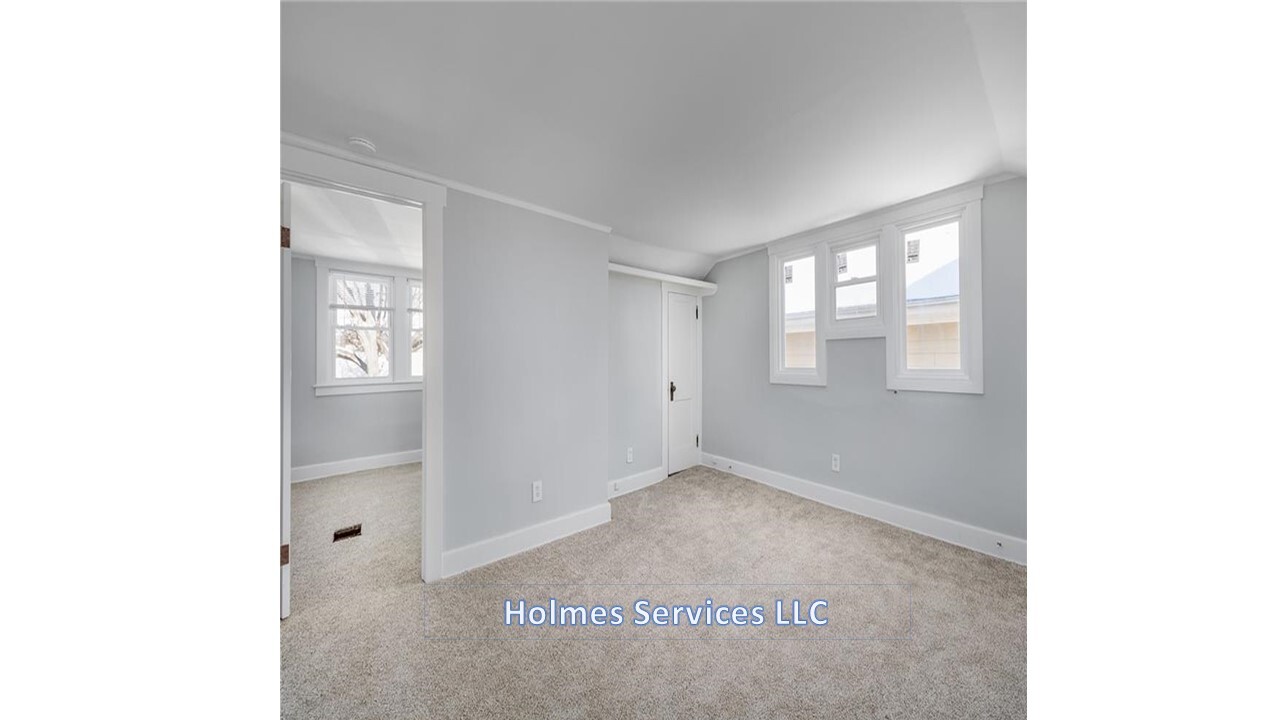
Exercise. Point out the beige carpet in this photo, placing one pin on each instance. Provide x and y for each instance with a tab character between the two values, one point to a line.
356	644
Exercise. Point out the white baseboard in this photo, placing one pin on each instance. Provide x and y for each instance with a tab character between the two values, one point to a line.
484	552
302	473
632	483
989	542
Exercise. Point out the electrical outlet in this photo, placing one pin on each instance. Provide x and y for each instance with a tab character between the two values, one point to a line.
630	455
616	485
537	491
835	463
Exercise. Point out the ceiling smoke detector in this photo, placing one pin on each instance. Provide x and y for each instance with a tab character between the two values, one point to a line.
364	144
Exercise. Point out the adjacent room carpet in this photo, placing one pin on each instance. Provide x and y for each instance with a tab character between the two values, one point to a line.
356	645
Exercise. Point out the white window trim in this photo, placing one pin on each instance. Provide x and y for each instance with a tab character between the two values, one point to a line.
851	328
400	380
968	379
796	376
963	202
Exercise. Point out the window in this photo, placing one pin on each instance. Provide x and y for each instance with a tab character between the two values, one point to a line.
369	332
911	274
797	339
415	328
936	342
855	289
360	313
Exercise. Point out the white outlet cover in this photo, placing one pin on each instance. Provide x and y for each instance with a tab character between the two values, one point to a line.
835	463
537	491
630	456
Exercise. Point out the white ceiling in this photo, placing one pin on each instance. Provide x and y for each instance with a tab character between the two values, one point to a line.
336	224
693	130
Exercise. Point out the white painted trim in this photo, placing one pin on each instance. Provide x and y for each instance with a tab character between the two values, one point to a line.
778	374
303	473
632	483
698	287
988	542
351	171
286	397
872	221
469	557
366	388
855	328
315	146
969	378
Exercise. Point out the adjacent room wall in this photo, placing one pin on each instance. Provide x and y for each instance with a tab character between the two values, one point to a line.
635	374
962	457
526	361
341	427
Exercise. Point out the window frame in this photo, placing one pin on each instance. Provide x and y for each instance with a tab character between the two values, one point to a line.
399	379
969	378
778	372
853	328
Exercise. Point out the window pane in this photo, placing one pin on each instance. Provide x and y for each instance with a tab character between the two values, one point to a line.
362	353
415	295
345	317
856	301
359	290
798	316
856	263
415	320
415	352
933	297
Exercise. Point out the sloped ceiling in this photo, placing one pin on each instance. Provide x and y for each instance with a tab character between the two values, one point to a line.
693	130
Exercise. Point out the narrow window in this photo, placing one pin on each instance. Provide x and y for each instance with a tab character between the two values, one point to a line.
415	328
932	276
360	308
799	318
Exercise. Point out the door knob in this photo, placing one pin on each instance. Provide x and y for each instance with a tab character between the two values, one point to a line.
673	391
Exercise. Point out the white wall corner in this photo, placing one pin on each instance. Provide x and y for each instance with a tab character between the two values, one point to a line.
632	483
469	557
988	542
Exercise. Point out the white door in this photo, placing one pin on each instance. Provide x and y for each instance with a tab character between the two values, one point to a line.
683	379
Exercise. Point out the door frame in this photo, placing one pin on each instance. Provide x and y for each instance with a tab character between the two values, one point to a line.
342	170
698	292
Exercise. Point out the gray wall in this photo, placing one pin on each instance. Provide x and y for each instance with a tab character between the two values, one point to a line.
962	457
635	374
341	427
526	363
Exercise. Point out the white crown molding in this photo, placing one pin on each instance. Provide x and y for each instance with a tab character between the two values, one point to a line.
702	286
885	214
287	138
988	542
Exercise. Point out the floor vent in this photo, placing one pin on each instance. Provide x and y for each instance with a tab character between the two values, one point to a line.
346	532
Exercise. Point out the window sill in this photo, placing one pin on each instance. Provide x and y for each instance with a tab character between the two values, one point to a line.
367	388
809	379
837	332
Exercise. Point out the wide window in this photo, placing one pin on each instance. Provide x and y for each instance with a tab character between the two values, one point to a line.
911	274
369	332
797	338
